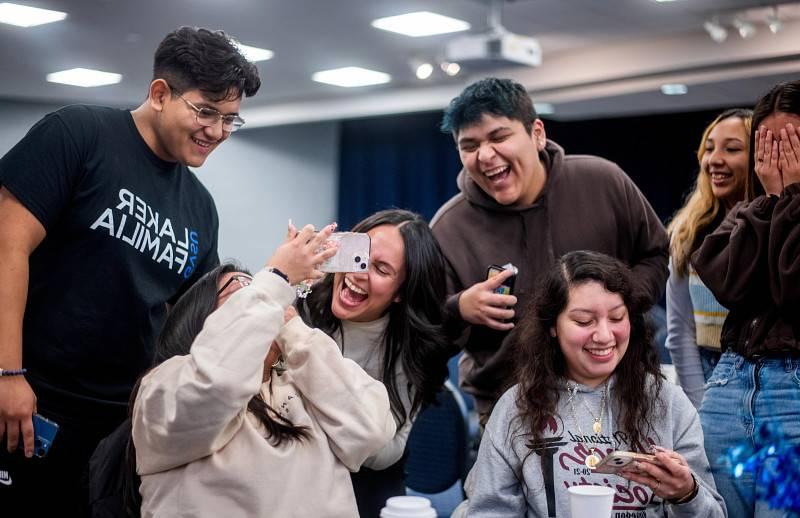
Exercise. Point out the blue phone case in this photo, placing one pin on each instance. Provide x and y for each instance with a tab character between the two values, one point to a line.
44	432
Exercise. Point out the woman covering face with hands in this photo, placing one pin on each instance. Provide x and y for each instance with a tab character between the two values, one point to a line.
589	384
219	430
752	265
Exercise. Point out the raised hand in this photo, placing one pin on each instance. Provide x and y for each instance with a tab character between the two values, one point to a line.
767	157
301	253
789	151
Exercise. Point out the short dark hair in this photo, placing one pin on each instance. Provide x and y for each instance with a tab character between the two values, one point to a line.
502	97
191	58
782	98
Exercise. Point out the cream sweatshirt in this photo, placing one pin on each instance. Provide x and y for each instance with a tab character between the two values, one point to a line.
200	453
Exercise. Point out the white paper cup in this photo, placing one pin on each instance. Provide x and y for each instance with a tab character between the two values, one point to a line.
591	501
408	507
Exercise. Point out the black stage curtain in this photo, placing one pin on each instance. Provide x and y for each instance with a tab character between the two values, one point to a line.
405	161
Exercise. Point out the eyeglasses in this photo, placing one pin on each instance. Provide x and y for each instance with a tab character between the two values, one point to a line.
243	281
210	117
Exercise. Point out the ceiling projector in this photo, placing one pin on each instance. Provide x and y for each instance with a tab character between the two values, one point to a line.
495	49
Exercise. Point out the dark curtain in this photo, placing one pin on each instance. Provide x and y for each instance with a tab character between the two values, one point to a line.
405	161
402	161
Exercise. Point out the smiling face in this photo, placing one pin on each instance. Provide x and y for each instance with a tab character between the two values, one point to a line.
179	137
364	297
593	333
503	159
725	160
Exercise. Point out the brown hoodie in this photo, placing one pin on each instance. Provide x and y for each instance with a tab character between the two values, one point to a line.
587	203
751	265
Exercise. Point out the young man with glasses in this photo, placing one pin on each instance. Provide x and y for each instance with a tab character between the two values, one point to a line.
101	225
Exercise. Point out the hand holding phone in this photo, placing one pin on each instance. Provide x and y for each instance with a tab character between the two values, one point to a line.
490	302
507	287
617	460
44	433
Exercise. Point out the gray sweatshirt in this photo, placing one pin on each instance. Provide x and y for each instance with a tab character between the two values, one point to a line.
507	484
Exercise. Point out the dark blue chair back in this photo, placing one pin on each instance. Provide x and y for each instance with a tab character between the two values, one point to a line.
437	445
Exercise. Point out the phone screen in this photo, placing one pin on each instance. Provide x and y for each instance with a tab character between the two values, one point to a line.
507	288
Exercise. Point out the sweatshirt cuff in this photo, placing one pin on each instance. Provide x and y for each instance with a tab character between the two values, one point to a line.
294	331
792	190
278	288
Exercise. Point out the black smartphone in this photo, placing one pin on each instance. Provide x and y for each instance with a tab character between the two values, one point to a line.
507	288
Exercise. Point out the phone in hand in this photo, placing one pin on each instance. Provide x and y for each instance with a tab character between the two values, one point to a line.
352	254
617	460
507	288
44	433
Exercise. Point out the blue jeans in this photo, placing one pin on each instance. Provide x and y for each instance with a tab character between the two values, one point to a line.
740	396
708	360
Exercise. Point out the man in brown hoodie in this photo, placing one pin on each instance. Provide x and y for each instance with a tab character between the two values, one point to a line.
524	201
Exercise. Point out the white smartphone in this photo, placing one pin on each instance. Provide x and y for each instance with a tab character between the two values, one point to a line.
616	460
352	255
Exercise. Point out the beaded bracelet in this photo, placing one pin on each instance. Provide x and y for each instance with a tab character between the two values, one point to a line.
13	372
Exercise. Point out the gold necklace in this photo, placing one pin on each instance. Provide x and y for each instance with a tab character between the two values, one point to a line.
597	426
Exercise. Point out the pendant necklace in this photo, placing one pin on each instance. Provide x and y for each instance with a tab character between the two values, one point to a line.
597	426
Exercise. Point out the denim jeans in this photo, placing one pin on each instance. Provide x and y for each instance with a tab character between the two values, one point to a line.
708	360
740	396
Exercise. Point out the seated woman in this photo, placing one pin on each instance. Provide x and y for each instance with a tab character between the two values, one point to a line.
589	384
389	321
219	432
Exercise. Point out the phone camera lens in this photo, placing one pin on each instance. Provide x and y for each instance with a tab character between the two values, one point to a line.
358	259
363	266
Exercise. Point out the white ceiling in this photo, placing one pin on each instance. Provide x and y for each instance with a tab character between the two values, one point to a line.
601	57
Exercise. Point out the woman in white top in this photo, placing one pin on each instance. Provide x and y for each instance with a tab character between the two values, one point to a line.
389	321
219	431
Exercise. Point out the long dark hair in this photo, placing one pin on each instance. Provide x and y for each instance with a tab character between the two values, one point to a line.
414	335
183	324
541	364
782	98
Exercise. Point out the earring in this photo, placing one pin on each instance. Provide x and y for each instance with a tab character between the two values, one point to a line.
279	366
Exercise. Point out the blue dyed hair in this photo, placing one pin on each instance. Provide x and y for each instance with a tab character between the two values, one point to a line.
501	97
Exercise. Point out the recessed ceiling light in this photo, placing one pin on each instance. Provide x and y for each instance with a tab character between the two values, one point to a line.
254	54
422	23
674	89
84	77
424	71
24	16
351	76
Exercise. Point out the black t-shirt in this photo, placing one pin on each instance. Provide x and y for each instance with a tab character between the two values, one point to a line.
126	232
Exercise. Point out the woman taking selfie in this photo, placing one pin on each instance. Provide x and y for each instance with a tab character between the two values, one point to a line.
221	428
751	264
389	321
589	385
694	317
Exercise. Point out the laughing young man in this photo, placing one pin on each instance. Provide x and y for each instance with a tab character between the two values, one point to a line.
102	224
523	201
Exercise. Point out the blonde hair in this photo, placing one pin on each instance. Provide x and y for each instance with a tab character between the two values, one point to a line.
701	206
